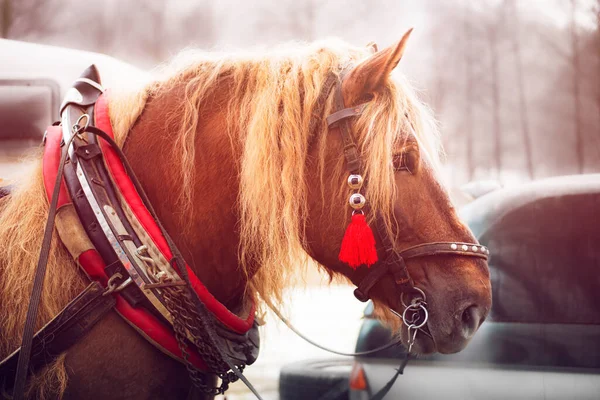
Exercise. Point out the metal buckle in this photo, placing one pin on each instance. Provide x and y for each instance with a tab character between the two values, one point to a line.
77	129
412	320
423	298
415	315
113	287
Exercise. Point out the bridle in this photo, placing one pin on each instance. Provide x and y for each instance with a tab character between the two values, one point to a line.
392	261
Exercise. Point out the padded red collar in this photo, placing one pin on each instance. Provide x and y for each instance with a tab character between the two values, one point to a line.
144	322
125	186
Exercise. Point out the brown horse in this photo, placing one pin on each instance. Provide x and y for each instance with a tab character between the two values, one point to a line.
222	145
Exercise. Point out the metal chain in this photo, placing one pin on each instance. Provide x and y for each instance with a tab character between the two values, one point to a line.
186	329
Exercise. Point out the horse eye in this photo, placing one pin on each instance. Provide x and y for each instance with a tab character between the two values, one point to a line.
404	162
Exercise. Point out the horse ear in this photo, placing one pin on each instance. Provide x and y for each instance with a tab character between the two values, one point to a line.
370	75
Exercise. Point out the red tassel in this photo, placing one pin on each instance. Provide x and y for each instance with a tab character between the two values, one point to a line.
358	245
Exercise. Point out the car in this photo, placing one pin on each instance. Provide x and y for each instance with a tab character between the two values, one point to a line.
542	337
33	82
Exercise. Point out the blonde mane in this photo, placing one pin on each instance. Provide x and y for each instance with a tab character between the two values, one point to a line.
270	108
22	221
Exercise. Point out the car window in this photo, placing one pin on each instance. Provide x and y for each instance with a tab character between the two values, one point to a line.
545	263
27	107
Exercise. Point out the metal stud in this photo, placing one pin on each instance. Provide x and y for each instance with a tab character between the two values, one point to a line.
465	247
357	201
453	246
474	248
355	181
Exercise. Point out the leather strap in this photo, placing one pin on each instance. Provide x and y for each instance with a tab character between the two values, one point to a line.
454	248
206	319
64	330
36	291
346	113
396	265
393	262
341	119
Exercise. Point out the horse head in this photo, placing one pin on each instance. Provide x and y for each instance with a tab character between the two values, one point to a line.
399	167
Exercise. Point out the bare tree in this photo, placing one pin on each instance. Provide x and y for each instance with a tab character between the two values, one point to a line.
197	26
597	11
523	115
22	18
100	26
575	73
469	98
292	19
6	19
303	19
493	34
155	38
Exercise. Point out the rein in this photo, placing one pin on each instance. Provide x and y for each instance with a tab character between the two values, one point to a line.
173	292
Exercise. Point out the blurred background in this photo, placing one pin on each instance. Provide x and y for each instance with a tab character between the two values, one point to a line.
515	86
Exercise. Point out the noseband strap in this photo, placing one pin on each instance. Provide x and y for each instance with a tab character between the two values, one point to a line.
392	262
396	265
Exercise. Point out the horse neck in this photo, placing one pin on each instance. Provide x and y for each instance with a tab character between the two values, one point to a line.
206	234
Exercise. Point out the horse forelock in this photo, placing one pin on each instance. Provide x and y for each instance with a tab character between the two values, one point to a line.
272	96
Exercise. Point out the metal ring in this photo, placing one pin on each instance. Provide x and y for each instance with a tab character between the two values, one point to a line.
417	306
110	285
424	298
77	128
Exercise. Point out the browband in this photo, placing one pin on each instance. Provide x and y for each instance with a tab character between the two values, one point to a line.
346	113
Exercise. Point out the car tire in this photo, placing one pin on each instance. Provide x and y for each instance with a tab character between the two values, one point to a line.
315	379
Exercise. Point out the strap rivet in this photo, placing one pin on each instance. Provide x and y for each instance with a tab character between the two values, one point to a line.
355	181
474	248
453	246
357	201
465	247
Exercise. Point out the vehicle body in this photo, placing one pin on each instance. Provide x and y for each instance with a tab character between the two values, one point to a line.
542	337
34	79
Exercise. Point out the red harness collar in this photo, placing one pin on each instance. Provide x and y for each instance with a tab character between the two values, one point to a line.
150	327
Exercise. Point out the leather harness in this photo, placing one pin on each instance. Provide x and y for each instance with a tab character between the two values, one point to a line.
126	252
132	260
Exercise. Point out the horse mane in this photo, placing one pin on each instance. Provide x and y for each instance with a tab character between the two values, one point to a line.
270	108
22	221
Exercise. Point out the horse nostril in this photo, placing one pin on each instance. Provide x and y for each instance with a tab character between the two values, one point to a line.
472	318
